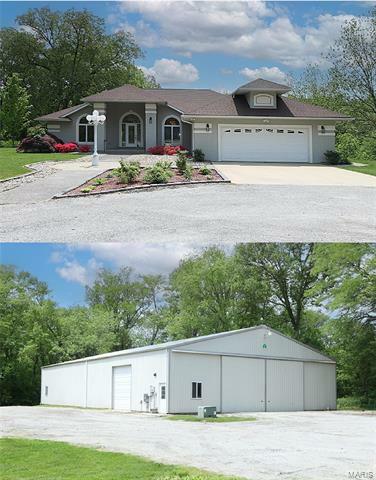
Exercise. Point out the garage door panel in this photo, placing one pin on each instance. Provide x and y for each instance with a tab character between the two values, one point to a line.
121	385
243	384
319	386
284	386
270	144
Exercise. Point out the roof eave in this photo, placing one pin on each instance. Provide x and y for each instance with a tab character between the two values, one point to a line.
49	120
337	119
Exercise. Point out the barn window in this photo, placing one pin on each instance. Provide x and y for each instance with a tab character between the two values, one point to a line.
46	391
196	389
163	392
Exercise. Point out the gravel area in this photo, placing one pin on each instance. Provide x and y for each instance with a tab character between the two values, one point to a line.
202	214
38	170
290	445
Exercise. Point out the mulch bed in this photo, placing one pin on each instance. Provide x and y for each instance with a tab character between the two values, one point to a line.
111	183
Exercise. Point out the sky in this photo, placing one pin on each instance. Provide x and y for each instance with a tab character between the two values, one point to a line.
218	44
68	268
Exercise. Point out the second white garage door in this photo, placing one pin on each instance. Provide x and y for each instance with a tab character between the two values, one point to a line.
264	144
121	387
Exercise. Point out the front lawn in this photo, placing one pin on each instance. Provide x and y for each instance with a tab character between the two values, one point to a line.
13	163
23	459
195	418
369	169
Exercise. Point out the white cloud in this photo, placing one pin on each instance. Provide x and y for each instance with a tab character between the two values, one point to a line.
268	73
249	29
169	71
73	271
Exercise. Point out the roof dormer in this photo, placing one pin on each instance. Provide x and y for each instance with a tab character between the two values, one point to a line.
262	93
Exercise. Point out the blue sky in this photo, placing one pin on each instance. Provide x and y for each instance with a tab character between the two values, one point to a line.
68	268
218	45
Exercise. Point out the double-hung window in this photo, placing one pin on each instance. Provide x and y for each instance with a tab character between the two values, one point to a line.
196	389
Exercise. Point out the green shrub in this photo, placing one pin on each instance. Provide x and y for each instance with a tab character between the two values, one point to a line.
198	155
99	181
88	189
128	171
332	157
367	150
347	146
36	130
188	172
161	172
356	403
181	161
205	171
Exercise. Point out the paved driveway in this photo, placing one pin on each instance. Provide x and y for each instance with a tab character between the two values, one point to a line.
203	214
294	446
266	174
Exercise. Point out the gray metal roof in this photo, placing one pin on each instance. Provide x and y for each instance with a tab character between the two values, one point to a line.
178	343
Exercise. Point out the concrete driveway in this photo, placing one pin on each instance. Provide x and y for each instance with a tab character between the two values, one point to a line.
277	174
294	445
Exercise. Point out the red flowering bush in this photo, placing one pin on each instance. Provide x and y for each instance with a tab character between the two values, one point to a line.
66	147
84	148
165	149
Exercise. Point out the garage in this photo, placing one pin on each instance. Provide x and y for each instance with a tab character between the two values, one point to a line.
260	143
253	369
121	389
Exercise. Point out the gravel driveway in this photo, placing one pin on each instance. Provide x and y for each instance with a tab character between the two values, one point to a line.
202	213
294	446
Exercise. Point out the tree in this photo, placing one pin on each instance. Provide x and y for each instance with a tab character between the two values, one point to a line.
15	109
288	270
130	299
65	56
208	295
354	65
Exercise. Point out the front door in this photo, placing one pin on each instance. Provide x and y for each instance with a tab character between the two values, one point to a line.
131	134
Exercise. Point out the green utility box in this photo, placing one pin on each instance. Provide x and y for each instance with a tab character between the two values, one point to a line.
205	412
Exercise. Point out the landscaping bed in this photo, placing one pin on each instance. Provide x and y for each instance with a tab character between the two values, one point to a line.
132	176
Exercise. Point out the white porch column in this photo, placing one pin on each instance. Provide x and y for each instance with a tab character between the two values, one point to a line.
101	107
150	125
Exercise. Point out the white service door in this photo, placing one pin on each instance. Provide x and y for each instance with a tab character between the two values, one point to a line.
284	386
264	144
121	387
243	384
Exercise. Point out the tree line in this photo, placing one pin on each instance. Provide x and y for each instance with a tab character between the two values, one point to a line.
52	59
321	294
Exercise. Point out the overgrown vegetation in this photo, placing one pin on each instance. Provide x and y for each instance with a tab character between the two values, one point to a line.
23	459
349	87
323	295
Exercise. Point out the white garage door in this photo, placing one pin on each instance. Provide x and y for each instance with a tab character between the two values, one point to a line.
121	387
319	386
243	384
264	144
284	386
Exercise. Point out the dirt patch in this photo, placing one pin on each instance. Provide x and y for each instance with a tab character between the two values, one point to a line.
108	182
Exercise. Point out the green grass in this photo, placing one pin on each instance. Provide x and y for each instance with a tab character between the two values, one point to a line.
13	163
369	169
23	459
355	403
195	418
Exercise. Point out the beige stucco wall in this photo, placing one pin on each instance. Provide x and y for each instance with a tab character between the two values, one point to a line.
208	142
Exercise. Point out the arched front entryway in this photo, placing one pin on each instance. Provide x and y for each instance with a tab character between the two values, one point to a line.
171	130
130	130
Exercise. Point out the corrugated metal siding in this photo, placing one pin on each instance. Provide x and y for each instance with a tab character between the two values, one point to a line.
243	384
185	369
284	386
66	385
255	342
319	386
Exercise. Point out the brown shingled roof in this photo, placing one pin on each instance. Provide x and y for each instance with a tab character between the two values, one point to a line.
264	85
61	115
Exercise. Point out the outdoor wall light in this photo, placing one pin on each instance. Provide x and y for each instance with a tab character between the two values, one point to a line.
150	120
207	127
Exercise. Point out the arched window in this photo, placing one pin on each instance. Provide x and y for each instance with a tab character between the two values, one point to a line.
264	99
130	130
85	131
172	131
